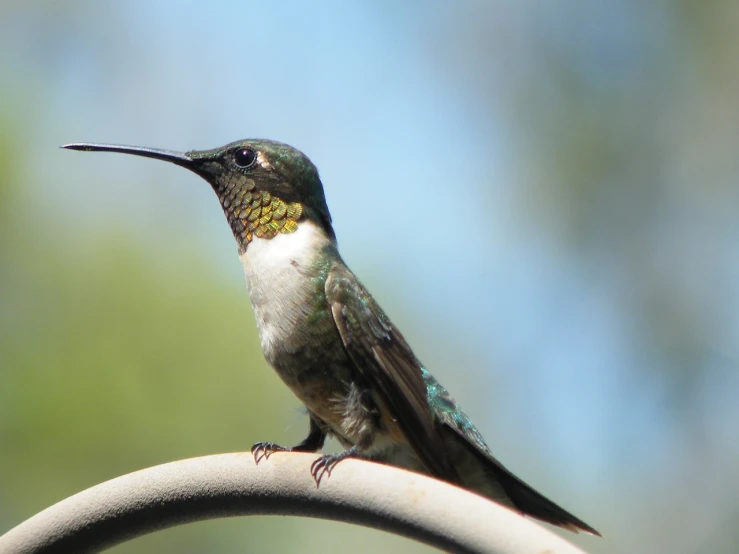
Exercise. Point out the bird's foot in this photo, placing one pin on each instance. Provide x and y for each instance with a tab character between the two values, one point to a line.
263	450
323	465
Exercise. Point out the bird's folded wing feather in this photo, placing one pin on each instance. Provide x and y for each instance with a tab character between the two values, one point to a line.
387	364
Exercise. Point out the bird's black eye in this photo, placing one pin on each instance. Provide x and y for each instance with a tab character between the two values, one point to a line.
244	157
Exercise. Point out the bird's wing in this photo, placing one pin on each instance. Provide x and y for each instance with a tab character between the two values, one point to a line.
387	364
450	414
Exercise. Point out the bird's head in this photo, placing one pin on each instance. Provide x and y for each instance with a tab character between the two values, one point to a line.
265	187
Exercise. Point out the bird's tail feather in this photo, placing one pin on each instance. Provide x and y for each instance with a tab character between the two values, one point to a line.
530	502
522	497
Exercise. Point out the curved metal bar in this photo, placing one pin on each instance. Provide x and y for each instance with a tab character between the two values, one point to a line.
227	485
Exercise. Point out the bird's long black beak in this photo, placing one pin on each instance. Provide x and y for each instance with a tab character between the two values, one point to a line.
179	158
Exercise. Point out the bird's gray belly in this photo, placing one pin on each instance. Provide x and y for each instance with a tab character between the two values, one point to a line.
311	360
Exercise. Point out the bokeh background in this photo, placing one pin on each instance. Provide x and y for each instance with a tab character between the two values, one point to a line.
542	195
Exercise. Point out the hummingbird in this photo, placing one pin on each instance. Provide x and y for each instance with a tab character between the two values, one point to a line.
329	340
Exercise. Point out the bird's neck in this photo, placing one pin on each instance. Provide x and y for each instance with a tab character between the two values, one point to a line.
298	249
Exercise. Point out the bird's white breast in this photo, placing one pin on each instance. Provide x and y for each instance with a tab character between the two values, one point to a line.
279	274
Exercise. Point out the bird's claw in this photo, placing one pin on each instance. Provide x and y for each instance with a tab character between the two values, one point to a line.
323	466
263	450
